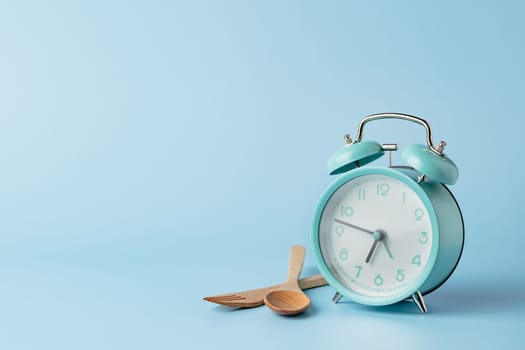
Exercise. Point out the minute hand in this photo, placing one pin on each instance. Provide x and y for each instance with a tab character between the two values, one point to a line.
354	226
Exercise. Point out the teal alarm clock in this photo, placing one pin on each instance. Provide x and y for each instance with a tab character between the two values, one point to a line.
383	234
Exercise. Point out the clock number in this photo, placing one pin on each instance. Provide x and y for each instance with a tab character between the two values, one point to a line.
404	198
400	275
419	213
343	254
346	210
424	237
359	268
361	194
382	189
416	260
339	230
378	280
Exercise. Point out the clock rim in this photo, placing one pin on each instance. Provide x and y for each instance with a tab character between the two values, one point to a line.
458	257
323	268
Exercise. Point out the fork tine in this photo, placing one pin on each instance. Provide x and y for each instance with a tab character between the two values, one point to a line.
226	302
244	299
239	304
230	297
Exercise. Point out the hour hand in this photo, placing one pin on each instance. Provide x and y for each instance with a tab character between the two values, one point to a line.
371	251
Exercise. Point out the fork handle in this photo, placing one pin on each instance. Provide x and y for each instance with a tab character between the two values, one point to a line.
312	282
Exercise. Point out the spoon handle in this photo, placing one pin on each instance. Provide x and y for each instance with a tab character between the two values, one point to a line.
295	265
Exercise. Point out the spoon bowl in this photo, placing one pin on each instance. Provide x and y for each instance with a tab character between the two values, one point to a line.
289	299
287	302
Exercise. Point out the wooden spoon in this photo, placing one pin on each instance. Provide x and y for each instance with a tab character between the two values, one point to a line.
289	299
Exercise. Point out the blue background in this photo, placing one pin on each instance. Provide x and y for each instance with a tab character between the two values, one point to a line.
157	152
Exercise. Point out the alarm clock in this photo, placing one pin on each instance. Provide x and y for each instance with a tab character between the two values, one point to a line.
384	234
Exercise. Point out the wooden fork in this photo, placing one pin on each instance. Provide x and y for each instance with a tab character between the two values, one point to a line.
255	297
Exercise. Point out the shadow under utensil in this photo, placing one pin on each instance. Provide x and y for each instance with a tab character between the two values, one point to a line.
311	311
228	309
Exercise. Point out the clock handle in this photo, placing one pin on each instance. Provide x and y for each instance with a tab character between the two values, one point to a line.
437	150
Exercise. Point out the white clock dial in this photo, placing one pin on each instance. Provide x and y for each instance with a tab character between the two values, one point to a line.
375	235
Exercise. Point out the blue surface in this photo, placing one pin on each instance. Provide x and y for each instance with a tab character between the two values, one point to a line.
157	152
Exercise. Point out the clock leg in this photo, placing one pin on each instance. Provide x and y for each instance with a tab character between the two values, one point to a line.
417	297
336	297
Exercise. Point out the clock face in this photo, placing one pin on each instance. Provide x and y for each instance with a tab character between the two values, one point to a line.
376	236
